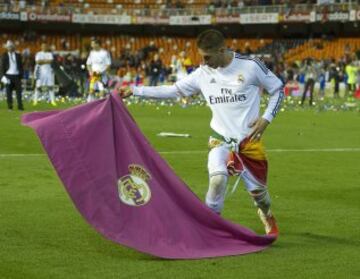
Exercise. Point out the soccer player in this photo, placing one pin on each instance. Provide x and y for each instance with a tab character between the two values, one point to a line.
44	74
232	85
351	70
98	64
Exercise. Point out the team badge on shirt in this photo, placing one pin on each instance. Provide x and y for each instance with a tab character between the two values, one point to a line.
241	78
133	188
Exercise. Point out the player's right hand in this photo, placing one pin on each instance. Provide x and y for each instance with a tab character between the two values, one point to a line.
125	92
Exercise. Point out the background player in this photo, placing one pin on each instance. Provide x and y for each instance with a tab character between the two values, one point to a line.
98	64
44	74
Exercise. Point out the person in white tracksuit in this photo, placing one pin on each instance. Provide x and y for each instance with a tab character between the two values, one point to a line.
44	74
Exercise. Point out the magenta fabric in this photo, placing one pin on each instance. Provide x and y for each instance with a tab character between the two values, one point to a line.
92	146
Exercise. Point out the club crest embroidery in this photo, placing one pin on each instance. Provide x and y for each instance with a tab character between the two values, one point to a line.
133	188
241	78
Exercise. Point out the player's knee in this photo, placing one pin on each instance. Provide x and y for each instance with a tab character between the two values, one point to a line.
217	183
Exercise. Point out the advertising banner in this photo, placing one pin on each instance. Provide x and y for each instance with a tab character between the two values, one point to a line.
227	19
101	19
33	16
151	20
337	16
190	20
259	18
9	16
298	17
354	15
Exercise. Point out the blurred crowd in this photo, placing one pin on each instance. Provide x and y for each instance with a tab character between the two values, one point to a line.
142	66
336	77
146	66
151	8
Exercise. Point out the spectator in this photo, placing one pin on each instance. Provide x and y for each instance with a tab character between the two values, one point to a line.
310	77
11	73
155	69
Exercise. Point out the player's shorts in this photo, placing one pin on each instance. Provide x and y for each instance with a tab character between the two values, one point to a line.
250	162
45	80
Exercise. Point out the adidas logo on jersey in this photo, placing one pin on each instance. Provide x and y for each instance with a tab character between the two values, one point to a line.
212	80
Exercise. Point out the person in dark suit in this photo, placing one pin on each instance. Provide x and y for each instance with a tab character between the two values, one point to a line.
11	73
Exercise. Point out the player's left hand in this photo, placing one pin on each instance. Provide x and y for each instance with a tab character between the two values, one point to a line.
259	126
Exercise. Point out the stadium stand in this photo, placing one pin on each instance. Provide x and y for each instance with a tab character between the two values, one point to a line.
167	46
323	49
172	40
281	45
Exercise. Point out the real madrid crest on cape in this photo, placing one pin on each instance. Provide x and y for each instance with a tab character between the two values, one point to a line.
133	188
127	192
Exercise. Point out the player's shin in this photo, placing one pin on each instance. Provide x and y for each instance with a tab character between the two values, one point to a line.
262	200
52	97
216	194
36	96
91	97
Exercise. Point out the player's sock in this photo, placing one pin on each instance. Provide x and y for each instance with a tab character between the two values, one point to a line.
90	98
52	97
216	194
262	200
36	97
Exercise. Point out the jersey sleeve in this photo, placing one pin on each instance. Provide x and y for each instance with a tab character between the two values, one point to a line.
273	106
157	92
273	85
266	79
189	85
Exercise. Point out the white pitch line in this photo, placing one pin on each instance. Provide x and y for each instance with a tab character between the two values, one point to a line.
21	155
274	150
316	150
205	151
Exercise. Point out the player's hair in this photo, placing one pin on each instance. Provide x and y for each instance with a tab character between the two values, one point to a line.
210	39
96	41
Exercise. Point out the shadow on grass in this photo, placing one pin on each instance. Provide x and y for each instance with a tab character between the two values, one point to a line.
310	238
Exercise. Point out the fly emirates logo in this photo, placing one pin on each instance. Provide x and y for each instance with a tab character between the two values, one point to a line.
226	96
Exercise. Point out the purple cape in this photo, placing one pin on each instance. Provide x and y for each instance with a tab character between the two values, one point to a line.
127	192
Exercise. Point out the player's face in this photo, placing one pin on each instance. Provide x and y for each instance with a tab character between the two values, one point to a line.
213	59
11	48
95	45
44	47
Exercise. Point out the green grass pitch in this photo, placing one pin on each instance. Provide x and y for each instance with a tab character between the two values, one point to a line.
315	193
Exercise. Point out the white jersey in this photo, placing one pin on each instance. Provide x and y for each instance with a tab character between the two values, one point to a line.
232	93
44	70
99	60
